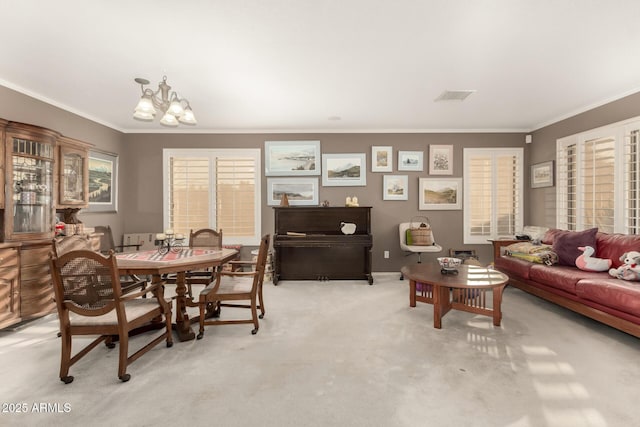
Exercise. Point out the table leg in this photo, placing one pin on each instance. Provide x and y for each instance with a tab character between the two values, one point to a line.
440	300
183	324
497	302
412	293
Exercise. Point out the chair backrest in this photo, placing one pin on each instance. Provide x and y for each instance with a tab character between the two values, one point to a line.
261	261
205	237
85	282
71	243
106	239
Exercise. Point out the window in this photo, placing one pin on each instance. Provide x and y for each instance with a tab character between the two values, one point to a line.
596	186
492	193
217	188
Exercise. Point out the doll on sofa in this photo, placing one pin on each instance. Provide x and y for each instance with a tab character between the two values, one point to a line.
630	269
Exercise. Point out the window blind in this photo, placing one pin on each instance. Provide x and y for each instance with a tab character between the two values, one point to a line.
493	193
189	194
235	201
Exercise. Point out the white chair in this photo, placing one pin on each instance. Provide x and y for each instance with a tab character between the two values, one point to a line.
415	249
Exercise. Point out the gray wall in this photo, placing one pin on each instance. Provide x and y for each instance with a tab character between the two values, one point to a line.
143	177
541	202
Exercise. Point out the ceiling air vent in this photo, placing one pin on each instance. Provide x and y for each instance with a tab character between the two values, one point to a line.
454	95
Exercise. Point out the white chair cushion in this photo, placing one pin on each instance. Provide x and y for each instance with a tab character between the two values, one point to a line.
134	308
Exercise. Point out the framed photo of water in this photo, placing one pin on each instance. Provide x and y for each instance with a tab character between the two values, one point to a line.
292	158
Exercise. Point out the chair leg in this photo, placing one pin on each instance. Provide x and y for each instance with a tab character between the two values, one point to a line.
167	318
65	359
261	302
201	307
122	363
254	315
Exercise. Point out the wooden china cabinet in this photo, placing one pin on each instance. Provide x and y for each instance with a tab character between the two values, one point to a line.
41	167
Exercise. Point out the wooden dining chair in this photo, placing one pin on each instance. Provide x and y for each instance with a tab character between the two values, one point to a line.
90	302
231	286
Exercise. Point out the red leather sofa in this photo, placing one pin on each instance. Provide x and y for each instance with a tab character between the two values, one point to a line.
597	295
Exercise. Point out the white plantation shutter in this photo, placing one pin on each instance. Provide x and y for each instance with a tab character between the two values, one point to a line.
188	194
492	193
631	209
217	189
235	201
599	179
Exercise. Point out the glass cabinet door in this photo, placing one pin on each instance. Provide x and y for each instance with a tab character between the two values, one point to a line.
31	187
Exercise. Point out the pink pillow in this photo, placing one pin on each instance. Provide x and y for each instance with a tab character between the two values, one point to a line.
566	244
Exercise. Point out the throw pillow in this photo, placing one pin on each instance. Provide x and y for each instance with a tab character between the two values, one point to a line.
566	245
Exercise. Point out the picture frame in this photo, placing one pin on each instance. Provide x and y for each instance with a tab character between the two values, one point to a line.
440	159
395	187
103	182
410	160
381	159
440	194
542	174
299	191
344	169
291	158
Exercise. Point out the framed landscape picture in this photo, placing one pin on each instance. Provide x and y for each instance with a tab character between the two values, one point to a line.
395	187
299	191
289	158
103	182
381	159
345	169
441	159
410	160
440	194
542	174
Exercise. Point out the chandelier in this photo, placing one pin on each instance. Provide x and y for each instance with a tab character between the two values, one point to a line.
174	109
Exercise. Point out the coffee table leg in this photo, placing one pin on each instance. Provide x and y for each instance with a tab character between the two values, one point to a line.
497	302
439	302
412	293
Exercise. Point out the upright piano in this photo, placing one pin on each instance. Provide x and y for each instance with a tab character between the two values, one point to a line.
309	244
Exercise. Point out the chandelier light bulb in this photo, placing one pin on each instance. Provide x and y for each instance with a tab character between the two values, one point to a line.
188	118
169	120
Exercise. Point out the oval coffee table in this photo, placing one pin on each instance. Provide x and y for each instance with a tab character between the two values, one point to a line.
468	289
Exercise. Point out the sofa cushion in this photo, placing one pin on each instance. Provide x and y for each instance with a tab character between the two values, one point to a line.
562	277
566	245
612	246
618	294
513	266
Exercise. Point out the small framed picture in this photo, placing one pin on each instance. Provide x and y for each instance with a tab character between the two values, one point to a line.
542	174
103	182
410	160
344	169
395	187
440	194
299	191
381	159
440	159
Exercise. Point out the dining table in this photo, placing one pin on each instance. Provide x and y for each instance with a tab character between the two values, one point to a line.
179	261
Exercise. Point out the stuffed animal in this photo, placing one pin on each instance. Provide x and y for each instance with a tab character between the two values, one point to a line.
630	269
588	262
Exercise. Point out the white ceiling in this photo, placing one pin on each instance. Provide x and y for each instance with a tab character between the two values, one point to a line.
323	65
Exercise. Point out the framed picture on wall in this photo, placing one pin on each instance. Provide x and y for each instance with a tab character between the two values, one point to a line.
290	158
299	191
440	194
344	169
103	182
542	174
440	159
410	160
381	159
395	187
